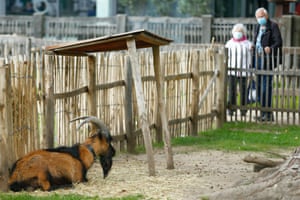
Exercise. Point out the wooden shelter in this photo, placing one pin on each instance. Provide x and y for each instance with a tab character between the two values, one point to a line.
127	41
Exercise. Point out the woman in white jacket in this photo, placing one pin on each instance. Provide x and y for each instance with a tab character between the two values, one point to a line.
239	59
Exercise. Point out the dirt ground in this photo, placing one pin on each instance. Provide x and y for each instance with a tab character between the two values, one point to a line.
197	172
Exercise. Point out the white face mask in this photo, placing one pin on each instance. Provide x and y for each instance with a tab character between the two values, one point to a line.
237	35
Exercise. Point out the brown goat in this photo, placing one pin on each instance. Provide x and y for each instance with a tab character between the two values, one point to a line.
51	168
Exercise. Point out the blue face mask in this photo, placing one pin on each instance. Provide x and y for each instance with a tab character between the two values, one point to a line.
262	21
237	35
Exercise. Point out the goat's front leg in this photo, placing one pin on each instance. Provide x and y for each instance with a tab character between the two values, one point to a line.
44	182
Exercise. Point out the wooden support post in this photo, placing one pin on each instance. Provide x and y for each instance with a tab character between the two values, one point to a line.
161	107
92	111
49	104
143	121
221	89
131	138
195	93
92	86
6	157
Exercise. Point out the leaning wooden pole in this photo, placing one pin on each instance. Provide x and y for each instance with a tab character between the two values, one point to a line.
128	107
142	113
161	107
5	126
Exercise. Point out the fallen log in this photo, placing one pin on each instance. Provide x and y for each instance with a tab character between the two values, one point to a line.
280	182
261	162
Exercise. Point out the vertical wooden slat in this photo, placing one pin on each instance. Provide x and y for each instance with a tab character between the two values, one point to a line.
34	94
6	158
294	85
195	92
220	90
49	103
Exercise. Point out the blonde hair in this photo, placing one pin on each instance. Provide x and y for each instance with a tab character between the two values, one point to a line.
239	27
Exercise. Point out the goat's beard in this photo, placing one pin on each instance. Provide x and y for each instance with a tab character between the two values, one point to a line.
106	161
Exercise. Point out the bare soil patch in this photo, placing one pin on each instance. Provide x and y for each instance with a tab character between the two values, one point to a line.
197	172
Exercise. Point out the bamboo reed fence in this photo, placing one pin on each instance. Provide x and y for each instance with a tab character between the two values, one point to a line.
70	74
29	77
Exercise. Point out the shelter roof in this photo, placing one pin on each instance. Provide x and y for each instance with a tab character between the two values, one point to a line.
143	38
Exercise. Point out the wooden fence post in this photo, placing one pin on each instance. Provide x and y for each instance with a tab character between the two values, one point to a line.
195	92
143	120
121	23
6	157
92	86
287	29
161	107
206	28
49	104
296	29
221	89
131	137
38	25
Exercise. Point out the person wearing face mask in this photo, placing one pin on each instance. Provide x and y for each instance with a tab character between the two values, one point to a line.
268	43
239	58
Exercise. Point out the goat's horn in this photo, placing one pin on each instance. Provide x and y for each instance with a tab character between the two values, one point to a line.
100	124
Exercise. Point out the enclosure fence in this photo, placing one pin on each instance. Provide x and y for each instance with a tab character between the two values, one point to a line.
191	30
30	78
281	76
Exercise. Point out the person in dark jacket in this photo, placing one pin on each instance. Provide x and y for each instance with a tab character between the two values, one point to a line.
268	44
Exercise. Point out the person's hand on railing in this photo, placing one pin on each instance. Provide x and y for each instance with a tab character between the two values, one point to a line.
267	50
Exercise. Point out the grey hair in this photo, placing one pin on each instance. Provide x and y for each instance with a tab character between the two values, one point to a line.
239	27
261	9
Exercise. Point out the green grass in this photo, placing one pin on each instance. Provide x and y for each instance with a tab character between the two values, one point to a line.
244	136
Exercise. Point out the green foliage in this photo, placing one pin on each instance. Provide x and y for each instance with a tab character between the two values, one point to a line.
134	7
164	8
194	8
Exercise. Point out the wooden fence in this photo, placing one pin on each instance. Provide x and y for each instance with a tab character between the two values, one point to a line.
29	81
110	92
24	97
30	76
181	30
285	93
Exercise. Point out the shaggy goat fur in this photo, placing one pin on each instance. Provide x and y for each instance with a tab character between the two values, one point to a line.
51	168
